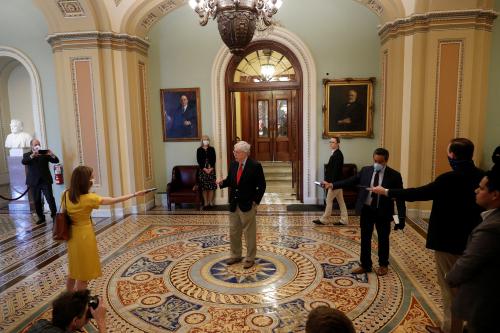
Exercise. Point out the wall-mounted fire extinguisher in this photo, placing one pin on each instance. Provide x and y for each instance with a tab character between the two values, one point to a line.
58	174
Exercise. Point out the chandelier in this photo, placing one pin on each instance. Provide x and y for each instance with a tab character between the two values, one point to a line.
236	19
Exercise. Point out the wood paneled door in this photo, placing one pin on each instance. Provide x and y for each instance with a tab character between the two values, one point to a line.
273	124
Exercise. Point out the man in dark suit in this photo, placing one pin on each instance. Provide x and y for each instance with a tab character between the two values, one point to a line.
247	185
183	120
454	215
476	272
351	116
39	179
334	173
375	210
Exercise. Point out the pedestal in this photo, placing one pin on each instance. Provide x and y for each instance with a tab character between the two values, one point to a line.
17	176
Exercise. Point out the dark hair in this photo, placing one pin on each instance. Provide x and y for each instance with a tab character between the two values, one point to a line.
68	305
383	152
336	138
80	182
493	183
462	148
327	320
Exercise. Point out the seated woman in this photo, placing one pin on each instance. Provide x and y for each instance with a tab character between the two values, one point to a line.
205	155
83	257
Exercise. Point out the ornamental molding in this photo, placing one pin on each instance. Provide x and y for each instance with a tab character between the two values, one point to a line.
476	19
95	39
71	8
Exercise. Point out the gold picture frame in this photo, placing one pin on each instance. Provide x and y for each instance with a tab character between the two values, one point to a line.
181	122
348	107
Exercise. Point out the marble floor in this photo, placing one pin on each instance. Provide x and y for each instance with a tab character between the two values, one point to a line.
167	272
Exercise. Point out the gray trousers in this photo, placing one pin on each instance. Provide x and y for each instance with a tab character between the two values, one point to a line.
243	223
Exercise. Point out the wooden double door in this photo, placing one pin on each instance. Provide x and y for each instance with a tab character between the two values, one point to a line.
269	122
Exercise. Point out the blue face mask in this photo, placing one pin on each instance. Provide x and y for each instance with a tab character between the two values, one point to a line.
378	166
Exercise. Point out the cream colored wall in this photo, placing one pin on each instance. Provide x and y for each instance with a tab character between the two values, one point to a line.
20	103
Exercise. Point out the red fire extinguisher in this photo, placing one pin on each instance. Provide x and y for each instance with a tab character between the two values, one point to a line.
58	174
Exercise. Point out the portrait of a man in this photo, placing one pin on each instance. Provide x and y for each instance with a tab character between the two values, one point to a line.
348	108
181	114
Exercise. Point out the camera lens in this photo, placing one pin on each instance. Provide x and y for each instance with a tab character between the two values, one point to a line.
93	303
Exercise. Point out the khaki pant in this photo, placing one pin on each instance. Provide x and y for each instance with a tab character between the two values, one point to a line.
243	223
332	194
444	262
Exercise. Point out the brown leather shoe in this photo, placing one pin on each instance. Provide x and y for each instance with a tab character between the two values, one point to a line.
360	270
382	270
248	264
232	261
433	329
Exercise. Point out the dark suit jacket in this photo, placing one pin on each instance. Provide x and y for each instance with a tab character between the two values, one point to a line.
454	210
251	187
205	157
356	112
38	169
392	178
333	170
476	274
178	129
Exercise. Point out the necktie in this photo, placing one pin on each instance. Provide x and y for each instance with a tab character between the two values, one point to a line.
238	175
375	196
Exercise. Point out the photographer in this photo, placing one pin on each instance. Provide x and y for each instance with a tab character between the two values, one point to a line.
70	312
39	179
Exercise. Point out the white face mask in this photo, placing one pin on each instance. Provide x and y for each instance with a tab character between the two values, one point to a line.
206	142
378	166
36	148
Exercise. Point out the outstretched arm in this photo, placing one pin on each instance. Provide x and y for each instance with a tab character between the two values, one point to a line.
113	200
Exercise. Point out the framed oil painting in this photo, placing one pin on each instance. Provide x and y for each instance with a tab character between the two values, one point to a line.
348	107
180	112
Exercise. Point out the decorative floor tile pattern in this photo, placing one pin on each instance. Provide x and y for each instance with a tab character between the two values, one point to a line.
169	273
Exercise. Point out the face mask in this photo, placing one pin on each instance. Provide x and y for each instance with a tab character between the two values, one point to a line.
36	148
92	182
377	166
206	142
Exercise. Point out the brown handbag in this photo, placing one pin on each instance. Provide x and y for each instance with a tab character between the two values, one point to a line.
62	224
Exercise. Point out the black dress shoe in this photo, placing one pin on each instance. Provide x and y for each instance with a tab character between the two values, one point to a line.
318	222
232	261
339	223
41	221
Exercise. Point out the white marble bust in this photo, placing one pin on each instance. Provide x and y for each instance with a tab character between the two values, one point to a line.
17	138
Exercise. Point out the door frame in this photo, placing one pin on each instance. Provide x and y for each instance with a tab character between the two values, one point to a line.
230	87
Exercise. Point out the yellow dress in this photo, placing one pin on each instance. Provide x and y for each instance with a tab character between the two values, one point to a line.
83	258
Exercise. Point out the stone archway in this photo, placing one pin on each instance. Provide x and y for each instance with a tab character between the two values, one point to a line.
36	92
309	140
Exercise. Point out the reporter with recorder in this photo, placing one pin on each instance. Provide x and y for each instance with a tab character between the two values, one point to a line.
83	257
39	179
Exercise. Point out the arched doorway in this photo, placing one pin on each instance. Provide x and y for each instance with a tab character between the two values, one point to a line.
263	107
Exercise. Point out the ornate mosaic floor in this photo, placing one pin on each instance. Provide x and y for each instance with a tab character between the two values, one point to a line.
168	273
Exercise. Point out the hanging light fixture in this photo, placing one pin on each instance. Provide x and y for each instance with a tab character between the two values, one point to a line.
236	19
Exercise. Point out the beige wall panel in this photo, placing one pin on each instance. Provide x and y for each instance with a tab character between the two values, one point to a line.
85	114
144	111
447	101
422	6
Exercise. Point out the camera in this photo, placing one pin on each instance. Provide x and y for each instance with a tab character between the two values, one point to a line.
93	303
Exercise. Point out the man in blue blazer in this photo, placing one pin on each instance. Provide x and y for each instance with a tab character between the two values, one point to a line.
375	210
476	272
247	185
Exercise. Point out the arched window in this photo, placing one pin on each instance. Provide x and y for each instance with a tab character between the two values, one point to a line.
264	65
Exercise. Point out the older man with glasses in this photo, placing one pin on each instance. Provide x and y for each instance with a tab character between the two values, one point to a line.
247	185
333	173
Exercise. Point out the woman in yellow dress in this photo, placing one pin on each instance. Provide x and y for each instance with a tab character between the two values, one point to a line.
83	258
